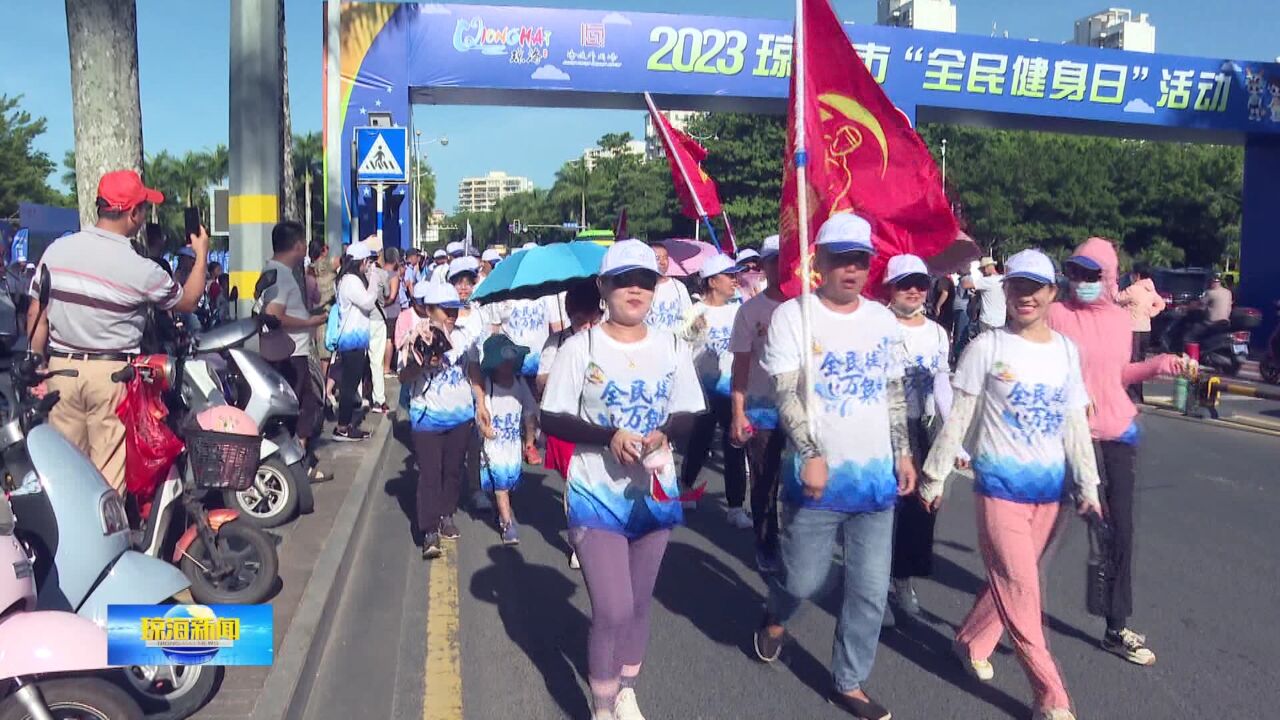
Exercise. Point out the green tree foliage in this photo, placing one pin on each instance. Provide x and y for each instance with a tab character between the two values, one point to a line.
745	155
1164	203
26	170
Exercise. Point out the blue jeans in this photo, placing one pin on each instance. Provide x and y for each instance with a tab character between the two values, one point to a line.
808	538
960	338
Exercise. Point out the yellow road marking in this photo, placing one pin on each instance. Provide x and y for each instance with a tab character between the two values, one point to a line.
442	695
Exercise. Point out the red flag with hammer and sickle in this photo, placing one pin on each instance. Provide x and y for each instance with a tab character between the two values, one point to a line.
862	156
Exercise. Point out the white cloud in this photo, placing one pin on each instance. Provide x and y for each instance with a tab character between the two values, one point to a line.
614	18
1138	105
433	9
549	72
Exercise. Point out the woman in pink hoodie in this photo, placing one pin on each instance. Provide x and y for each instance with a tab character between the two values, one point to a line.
1101	329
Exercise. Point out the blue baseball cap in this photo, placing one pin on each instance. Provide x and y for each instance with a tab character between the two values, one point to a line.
845	232
1085	262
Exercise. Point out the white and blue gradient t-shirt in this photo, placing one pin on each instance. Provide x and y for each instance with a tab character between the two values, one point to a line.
1026	391
355	302
750	331
631	386
854	356
528	324
711	356
441	400
926	353
509	407
671	302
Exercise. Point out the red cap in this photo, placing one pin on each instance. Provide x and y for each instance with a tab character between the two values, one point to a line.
123	190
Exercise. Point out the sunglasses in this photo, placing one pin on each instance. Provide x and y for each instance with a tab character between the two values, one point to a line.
1081	274
858	259
913	282
642	279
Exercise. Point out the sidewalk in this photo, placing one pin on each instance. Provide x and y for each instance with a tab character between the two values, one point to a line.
301	543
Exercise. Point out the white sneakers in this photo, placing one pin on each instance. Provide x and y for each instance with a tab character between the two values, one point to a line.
625	707
1054	714
980	669
739	518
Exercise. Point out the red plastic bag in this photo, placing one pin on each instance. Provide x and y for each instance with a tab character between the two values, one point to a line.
150	446
559	453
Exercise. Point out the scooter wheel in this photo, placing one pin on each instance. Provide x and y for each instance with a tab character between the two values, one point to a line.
170	692
272	500
252	554
77	697
1270	371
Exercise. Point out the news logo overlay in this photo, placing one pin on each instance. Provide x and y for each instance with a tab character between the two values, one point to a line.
189	635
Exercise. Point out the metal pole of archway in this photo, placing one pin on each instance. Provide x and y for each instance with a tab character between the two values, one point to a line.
254	147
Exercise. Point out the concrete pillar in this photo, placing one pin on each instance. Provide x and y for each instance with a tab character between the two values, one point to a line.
255	157
1259	246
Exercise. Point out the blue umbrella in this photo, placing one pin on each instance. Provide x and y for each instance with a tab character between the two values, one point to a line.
540	271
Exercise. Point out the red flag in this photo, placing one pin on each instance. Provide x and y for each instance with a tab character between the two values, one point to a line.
861	154
696	189
620	230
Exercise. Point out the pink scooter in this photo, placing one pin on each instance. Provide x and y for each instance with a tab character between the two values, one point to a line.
34	644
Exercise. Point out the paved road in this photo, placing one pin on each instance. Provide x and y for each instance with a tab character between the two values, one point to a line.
1206	586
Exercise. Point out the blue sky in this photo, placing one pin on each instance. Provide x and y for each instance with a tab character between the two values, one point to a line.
183	50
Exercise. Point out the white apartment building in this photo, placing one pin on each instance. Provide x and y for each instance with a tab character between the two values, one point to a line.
679	120
591	155
1118	29
481	194
937	15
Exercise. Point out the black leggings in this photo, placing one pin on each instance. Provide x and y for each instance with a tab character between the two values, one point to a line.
351	364
735	472
1117	469
913	525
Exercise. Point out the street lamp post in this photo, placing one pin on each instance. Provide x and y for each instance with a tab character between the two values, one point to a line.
418	142
944	163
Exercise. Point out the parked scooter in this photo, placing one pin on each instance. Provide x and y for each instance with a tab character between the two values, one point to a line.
227	373
38	643
227	560
1223	347
76	529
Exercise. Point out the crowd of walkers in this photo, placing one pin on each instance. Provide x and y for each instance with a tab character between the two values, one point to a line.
842	419
849	435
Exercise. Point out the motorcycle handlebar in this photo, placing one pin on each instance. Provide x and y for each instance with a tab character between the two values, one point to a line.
124	374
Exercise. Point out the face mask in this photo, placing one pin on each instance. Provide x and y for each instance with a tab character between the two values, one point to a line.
905	313
1087	292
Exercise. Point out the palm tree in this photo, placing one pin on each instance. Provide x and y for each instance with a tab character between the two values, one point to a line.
102	39
69	171
287	171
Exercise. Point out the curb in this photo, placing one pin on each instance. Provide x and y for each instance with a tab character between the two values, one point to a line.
1222	422
304	642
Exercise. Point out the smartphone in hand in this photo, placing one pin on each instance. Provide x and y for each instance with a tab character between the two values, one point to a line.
191	222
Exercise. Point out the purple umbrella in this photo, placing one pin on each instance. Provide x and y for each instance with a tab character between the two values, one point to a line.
687	255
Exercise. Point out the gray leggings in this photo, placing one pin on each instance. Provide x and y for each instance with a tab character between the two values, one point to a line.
620	575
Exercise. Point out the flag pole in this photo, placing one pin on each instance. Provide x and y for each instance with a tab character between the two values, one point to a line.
711	229
684	175
802	210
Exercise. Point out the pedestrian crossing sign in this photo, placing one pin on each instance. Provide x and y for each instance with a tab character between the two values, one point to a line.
382	154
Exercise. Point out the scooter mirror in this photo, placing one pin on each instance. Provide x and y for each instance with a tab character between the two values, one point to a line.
235	294
265	280
46	285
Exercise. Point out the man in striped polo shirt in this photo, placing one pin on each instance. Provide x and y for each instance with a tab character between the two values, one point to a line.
97	311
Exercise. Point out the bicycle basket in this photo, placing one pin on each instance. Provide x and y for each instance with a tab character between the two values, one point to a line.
222	461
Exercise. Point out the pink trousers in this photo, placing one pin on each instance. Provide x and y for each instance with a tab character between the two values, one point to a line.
1013	537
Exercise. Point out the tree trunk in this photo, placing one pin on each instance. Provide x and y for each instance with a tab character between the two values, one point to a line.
102	36
288	197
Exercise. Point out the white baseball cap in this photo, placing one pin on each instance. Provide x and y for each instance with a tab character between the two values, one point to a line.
491	255
845	232
453	248
439	254
359	250
771	246
717	265
747	254
461	265
1032	265
437	293
901	266
628	255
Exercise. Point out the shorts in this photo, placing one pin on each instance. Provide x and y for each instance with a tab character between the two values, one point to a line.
391	326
